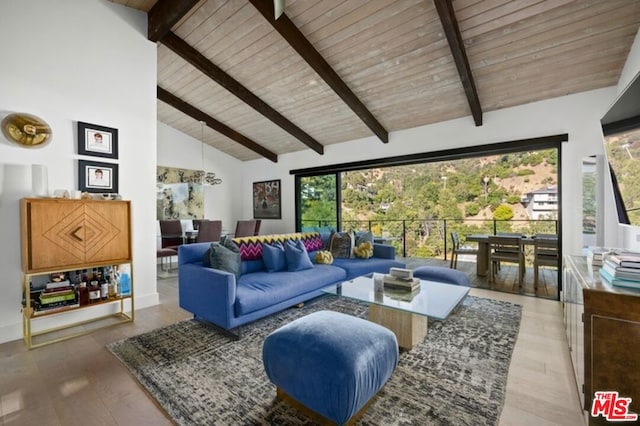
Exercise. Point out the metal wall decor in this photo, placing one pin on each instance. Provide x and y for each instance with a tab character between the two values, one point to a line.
26	130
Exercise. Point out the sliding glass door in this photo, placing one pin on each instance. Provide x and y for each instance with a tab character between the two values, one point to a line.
318	201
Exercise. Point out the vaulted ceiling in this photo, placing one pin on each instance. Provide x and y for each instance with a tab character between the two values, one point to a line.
330	71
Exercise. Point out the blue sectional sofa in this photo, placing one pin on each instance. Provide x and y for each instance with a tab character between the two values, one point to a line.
220	298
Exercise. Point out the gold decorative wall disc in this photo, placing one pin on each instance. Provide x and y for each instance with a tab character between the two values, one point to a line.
26	130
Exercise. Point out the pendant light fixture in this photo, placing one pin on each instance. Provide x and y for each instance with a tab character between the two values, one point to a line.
278	8
206	178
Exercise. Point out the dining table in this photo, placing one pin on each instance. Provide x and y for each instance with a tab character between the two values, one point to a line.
482	261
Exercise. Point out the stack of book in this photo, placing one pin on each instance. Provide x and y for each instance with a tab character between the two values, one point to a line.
408	284
621	269
595	255
401	294
56	296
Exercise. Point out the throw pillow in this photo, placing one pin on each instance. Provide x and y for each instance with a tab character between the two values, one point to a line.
206	257
228	242
224	259
297	256
341	244
274	257
324	257
364	236
364	250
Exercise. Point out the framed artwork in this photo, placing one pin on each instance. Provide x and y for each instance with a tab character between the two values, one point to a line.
180	193
97	177
266	200
98	141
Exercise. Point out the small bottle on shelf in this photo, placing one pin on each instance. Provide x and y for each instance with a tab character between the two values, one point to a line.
125	281
113	291
83	294
104	289
94	292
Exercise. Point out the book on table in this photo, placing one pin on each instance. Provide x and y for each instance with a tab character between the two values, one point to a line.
624	259
401	295
620	282
400	283
621	271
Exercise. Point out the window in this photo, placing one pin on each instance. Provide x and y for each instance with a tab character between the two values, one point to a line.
623	152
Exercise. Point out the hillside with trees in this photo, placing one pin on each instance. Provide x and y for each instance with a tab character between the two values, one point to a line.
416	200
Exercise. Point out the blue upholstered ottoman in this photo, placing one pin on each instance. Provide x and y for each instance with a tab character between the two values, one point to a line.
329	362
442	275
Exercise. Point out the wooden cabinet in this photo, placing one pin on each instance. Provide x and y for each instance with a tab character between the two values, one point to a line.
605	344
62	235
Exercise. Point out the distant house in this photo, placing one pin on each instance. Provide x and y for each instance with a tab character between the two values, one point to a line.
542	203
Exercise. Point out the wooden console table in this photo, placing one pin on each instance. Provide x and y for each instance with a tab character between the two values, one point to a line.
602	323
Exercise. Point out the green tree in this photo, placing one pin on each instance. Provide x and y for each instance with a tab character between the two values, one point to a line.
472	209
503	212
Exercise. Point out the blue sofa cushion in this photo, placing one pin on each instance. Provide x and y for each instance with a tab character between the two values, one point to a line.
274	257
442	275
357	267
297	256
263	289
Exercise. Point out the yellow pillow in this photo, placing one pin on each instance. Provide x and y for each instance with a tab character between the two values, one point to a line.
324	256
364	250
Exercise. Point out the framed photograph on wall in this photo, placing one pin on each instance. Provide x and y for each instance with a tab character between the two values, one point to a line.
266	200
98	141
97	177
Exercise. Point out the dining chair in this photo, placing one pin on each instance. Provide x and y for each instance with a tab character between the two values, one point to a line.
457	249
508	249
164	253
209	231
171	234
245	228
545	253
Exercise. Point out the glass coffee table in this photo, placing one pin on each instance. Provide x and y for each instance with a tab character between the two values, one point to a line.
402	311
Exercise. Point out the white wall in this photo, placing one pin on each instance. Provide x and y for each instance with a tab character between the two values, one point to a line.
578	115
69	61
221	202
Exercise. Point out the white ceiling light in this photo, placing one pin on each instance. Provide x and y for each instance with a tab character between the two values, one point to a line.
207	178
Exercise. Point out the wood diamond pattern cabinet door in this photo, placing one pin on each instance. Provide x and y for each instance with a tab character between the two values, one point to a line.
61	234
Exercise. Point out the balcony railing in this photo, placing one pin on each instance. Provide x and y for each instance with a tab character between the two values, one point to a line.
432	237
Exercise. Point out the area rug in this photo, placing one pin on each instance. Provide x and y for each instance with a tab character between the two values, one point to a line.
457	376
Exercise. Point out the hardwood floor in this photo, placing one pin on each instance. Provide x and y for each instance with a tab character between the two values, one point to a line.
79	382
506	279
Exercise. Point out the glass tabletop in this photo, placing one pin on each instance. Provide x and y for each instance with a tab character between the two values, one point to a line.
433	299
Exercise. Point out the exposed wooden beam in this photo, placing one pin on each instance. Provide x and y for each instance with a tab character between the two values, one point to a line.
212	71
164	15
450	24
199	115
305	49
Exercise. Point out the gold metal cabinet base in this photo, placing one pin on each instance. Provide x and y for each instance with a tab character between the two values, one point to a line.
108	320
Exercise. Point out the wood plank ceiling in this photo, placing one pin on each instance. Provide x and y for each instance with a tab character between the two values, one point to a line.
406	63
